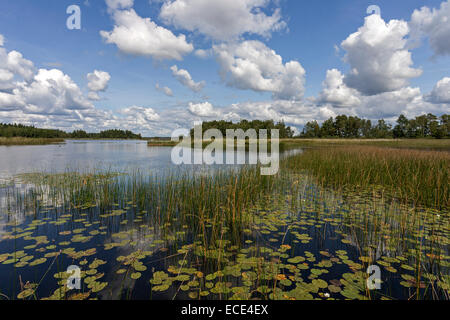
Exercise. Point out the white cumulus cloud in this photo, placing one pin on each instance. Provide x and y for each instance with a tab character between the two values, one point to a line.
222	19
184	77
204	109
51	91
141	114
203	54
434	24
6	78
14	63
389	105
119	4
10	102
336	92
166	90
135	35
379	59
45	92
252	65
441	92
98	80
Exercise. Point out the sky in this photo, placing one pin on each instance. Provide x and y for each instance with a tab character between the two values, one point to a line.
154	66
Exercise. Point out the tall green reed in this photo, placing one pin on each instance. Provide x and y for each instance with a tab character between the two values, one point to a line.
418	177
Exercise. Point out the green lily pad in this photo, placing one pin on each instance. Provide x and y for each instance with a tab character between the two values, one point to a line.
135	275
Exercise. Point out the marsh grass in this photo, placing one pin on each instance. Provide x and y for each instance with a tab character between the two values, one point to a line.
20	141
161	143
220	199
419	177
249	145
431	144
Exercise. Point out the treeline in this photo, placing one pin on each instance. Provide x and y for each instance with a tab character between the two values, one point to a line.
353	127
18	130
223	126
108	134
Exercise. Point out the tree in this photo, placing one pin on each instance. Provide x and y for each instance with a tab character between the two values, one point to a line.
382	130
445	124
366	128
312	130
328	129
401	129
341	125
353	127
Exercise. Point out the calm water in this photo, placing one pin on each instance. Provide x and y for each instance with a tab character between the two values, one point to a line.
84	156
103	155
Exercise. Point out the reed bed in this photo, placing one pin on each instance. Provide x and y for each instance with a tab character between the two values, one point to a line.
247	146
221	199
418	177
161	143
20	141
431	144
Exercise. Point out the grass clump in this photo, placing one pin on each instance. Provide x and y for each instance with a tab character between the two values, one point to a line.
420	177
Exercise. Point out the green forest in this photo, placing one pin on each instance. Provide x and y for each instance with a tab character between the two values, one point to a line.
425	126
223	126
18	130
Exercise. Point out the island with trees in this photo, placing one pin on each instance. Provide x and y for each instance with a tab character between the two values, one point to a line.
18	134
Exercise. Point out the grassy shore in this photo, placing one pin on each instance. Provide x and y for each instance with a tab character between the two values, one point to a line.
205	143
423	144
20	141
161	143
434	144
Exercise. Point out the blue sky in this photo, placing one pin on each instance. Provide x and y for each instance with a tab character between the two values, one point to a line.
307	32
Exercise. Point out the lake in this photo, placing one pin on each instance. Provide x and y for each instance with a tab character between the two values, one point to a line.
84	156
96	155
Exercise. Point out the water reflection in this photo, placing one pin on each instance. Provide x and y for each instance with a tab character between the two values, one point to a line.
104	156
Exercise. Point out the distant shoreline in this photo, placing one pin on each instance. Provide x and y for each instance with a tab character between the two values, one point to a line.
21	141
429	143
24	141
417	143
